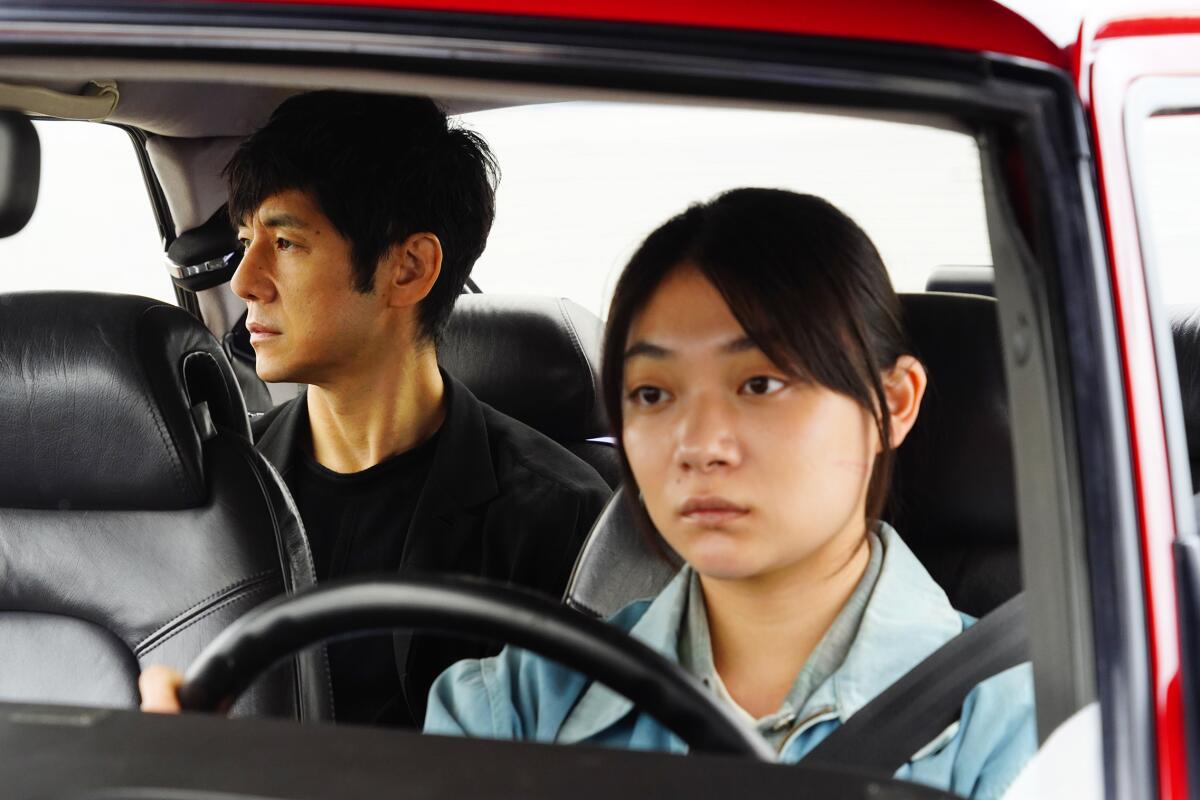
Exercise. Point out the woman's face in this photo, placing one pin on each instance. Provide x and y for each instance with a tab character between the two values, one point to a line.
743	469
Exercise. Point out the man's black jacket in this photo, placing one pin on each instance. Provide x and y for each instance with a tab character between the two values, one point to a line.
502	502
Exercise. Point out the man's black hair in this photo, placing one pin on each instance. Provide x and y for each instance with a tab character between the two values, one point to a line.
381	167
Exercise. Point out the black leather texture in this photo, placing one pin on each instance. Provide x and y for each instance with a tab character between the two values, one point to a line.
534	358
96	413
954	493
126	538
619	562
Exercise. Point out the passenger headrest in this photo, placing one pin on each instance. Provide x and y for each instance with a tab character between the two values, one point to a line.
954	480
535	358
97	393
1185	330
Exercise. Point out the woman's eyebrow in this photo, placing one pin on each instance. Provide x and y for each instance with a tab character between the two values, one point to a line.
644	348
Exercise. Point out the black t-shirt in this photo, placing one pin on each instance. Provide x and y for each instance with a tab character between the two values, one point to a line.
357	524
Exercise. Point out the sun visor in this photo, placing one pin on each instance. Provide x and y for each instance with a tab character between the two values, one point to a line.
20	171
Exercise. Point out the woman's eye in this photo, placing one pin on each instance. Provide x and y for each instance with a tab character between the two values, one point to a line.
648	395
762	385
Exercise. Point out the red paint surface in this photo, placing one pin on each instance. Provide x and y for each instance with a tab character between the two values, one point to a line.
1107	68
979	25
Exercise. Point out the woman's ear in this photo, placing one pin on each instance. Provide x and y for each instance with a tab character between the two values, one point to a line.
411	268
904	386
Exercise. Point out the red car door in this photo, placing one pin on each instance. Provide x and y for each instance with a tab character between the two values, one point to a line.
1139	79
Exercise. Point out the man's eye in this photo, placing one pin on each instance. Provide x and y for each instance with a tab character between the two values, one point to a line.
283	244
762	385
244	242
648	396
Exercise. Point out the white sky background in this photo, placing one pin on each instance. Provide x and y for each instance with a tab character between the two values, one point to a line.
584	183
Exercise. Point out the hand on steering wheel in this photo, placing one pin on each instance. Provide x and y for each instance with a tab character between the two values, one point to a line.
474	608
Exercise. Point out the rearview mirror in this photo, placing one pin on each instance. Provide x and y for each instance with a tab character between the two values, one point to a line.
20	171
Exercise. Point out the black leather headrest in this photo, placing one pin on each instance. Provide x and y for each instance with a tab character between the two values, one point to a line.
96	402
537	358
20	171
954	480
1185	330
962	280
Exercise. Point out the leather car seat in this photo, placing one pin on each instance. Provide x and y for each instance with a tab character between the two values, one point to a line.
136	519
953	497
537	359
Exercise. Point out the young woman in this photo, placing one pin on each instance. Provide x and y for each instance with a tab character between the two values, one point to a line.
757	375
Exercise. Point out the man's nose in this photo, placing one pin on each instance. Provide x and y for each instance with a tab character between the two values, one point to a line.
707	437
250	281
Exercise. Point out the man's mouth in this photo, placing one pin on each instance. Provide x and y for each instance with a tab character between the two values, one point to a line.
260	332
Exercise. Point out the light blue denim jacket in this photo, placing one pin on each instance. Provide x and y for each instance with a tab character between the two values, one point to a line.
517	695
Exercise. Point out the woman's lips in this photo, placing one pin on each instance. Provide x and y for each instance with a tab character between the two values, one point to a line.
711	510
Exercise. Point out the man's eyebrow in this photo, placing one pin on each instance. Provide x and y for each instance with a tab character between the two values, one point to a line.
284	220
739	345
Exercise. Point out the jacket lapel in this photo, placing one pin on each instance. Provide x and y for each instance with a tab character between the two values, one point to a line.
444	534
276	432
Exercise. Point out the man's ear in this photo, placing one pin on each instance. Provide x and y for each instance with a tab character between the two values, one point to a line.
411	268
904	386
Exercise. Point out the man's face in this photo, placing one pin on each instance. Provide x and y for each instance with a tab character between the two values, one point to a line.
307	323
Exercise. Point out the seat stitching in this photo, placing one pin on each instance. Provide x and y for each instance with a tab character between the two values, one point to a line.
237	597
159	423
195	606
579	352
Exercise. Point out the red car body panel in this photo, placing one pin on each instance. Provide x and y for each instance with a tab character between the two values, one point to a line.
1112	57
974	25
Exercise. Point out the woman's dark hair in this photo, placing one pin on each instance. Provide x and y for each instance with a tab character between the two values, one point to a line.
804	281
381	167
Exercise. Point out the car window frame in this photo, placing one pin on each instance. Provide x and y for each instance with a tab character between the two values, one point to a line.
1061	296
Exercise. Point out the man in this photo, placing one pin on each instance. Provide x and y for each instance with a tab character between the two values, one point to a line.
361	217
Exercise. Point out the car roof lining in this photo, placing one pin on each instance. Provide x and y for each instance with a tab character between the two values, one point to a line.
188	144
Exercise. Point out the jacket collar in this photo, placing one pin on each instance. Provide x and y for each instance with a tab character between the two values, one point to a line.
600	707
461	479
284	426
907	617
461	475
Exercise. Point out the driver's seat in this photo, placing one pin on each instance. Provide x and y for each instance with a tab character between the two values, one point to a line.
954	497
136	519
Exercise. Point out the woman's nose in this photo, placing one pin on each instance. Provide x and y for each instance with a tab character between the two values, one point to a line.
706	437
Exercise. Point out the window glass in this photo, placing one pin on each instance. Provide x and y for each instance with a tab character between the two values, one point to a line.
583	183
1170	213
94	227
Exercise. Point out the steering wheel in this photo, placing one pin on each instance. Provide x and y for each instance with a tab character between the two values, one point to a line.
474	608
